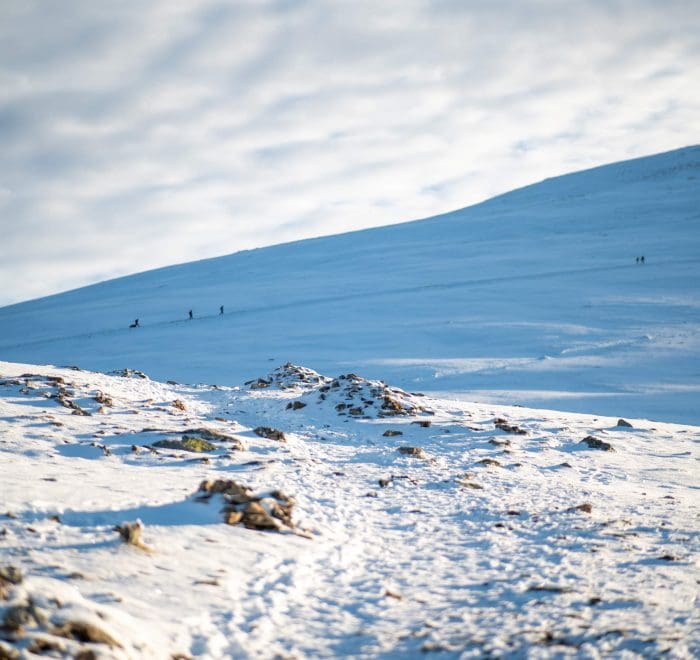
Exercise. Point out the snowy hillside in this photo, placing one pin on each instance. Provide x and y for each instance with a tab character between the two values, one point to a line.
532	298
304	516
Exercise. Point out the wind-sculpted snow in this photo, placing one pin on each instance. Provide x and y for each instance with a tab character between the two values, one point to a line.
475	531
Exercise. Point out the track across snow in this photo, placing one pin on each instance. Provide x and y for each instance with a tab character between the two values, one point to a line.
499	532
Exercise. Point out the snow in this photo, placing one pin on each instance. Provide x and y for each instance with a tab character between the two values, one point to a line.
479	547
427	389
532	298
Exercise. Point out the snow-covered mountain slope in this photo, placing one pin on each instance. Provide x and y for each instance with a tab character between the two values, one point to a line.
417	525
533	298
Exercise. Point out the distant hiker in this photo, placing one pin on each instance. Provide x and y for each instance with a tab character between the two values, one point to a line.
641	259
221	310
135	324
191	317
637	259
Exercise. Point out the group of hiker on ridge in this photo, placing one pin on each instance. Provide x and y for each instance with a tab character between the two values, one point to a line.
190	315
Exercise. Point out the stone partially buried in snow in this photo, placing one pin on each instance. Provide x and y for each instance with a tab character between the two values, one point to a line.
188	443
623	423
594	443
270	433
267	511
416	452
503	425
213	435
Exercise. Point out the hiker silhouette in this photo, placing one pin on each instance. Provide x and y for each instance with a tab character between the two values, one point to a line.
191	317
221	310
135	324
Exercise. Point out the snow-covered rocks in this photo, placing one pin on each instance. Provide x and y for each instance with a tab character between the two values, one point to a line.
271	510
354	396
596	443
289	377
46	617
347	395
420	555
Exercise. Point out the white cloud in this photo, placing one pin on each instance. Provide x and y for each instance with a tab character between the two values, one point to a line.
134	135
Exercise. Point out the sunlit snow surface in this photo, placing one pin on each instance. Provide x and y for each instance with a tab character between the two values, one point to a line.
532	298
477	549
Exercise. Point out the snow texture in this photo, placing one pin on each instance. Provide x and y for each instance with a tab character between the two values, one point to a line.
500	534
382	500
536	298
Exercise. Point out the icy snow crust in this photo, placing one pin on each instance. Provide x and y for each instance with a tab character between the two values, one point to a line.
532	298
504	535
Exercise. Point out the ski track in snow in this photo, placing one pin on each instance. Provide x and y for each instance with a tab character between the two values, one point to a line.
452	557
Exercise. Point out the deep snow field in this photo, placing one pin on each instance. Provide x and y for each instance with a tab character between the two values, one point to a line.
531	491
500	533
531	298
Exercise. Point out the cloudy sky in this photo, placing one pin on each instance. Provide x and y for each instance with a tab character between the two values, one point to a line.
140	134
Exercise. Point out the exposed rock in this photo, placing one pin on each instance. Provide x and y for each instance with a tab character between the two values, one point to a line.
128	373
179	404
390	433
502	424
584	508
49	646
412	451
296	405
103	398
85	631
214	435
188	443
595	443
9	576
269	433
260	384
550	588
622	422
232	490
425	423
264	511
62	397
289	376
16	617
489	462
359	397
130	533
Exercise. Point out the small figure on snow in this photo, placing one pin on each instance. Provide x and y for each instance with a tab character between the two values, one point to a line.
641	259
191	317
221	310
637	259
135	324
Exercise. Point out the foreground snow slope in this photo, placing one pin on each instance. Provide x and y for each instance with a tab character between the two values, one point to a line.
533	297
500	534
